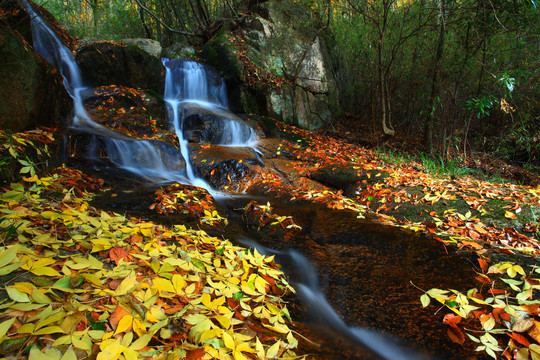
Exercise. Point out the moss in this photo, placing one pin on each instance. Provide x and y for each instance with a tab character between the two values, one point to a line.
222	53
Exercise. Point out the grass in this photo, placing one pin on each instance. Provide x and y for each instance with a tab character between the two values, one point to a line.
438	166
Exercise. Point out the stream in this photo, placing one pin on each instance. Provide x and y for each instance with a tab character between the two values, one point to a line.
355	277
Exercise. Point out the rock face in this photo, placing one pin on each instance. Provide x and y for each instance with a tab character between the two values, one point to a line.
277	66
31	91
106	63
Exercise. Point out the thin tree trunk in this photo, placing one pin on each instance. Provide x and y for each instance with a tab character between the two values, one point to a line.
430	118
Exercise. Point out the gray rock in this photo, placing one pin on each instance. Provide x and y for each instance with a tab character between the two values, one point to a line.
152	47
179	50
32	94
106	63
276	39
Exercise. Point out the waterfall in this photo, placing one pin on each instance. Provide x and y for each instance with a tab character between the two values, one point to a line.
140	157
199	91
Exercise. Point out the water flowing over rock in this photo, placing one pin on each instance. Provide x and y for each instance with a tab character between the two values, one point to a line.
277	65
31	92
106	63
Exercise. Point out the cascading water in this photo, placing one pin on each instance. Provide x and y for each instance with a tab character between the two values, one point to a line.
197	96
142	157
306	282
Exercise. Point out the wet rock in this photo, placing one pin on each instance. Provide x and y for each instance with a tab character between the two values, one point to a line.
214	125
31	91
107	63
130	111
233	169
151	159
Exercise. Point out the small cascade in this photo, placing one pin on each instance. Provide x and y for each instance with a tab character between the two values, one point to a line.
197	104
200	94
304	277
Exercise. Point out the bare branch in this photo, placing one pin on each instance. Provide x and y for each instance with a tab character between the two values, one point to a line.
151	13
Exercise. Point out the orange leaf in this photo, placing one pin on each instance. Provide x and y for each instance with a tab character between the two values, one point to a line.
195	354
451	319
117	253
483	279
520	339
509	215
116	315
483	264
496	291
472	244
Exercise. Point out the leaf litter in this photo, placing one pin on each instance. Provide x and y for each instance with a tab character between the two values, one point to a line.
81	282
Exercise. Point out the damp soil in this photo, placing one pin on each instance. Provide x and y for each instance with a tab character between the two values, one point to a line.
366	271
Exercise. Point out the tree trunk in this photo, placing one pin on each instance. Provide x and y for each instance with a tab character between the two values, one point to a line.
430	118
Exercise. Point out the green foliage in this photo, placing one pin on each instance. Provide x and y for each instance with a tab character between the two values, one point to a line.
439	166
481	105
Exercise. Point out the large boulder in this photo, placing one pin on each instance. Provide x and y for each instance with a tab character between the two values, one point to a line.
152	47
108	63
277	66
31	91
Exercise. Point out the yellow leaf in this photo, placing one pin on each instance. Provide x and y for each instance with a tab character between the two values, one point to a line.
49	330
210	334
111	351
141	342
163	285
509	215
228	340
69	354
224	321
273	350
45	271
178	283
124	324
7	256
126	285
292	341
206	300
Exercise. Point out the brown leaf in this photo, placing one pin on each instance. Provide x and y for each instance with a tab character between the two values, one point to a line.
195	354
523	325
455	334
534	332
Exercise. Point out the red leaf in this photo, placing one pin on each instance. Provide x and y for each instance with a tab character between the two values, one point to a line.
496	291
117	253
451	319
455	334
520	339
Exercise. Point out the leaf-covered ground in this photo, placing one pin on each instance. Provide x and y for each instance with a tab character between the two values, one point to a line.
80	281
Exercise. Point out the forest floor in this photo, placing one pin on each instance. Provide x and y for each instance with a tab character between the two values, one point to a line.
83	281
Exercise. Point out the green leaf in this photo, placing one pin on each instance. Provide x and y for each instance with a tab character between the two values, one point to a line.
4	327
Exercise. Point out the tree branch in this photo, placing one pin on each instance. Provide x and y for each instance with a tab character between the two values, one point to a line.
151	13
